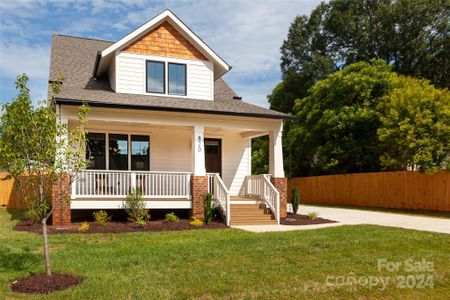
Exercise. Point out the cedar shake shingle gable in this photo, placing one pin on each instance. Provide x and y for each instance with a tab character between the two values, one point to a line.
74	58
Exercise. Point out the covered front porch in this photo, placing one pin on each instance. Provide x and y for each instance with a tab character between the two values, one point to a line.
175	159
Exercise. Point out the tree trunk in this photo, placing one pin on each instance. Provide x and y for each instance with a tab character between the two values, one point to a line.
48	269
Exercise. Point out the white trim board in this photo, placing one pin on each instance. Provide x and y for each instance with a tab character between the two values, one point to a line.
118	204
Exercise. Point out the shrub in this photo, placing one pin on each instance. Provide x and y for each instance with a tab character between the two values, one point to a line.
84	227
196	222
295	201
209	209
101	217
172	217
135	207
313	215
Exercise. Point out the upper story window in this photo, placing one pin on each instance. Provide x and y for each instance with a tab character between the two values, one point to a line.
155	77
177	79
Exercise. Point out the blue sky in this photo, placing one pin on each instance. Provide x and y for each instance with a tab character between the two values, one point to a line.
247	34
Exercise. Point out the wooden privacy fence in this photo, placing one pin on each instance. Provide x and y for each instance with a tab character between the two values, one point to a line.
405	190
10	195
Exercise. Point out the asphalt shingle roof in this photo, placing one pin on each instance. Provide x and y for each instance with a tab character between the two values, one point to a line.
74	57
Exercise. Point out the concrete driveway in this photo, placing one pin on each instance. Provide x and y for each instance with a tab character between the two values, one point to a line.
357	216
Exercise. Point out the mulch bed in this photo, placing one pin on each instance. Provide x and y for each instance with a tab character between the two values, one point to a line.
295	219
119	227
44	284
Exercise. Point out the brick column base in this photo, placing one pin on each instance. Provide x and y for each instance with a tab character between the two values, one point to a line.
281	185
61	201
198	191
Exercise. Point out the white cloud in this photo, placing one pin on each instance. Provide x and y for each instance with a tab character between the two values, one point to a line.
33	60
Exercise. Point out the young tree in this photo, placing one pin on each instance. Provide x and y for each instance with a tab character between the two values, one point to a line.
37	150
415	126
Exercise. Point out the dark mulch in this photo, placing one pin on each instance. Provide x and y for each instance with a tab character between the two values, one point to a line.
295	219
118	227
43	284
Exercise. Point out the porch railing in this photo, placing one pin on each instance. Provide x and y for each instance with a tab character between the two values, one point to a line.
117	184
260	185
220	193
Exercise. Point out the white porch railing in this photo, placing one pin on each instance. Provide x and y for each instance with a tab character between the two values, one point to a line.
260	185
220	193
117	184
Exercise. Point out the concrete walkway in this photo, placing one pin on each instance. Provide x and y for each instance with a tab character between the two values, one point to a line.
356	216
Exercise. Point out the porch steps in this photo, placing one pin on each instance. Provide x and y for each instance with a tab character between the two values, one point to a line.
250	214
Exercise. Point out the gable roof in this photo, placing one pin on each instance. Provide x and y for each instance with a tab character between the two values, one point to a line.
74	57
105	56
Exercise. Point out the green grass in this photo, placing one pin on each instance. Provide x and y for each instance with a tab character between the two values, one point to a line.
229	263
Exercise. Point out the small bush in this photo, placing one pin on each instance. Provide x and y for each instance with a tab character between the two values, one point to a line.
313	215
84	227
172	217
135	207
211	210
295	201
196	222
101	217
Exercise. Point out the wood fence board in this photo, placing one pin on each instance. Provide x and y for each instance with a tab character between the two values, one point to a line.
405	190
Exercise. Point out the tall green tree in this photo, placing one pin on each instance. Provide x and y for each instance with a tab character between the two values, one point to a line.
412	36
415	126
336	128
36	150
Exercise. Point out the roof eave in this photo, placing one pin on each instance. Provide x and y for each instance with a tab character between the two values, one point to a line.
77	102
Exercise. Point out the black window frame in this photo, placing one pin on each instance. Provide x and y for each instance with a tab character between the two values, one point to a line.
105	149
146	76
110	156
168	79
131	150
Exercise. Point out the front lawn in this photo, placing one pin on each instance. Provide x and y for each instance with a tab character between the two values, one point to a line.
226	263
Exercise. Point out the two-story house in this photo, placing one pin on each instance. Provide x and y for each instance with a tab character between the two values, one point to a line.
162	119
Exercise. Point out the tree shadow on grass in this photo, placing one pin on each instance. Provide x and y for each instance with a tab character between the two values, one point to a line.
16	260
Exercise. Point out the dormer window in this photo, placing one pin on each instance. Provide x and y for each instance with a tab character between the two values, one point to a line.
177	79
156	77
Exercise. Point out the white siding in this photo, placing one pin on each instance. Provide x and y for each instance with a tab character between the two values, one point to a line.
130	74
200	81
236	161
170	150
131	77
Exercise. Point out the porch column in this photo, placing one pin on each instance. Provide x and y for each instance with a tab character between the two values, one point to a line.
199	179
276	167
276	152
198	152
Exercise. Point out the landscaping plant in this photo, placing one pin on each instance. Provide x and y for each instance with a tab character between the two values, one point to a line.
101	217
84	227
135	207
313	215
295	201
38	150
196	222
209	209
172	217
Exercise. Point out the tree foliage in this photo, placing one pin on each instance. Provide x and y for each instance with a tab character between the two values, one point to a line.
36	149
415	126
412	36
336	131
